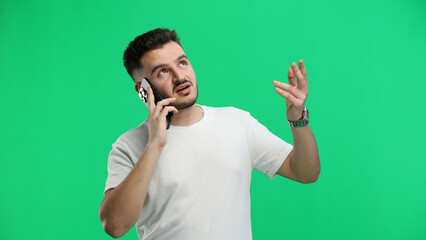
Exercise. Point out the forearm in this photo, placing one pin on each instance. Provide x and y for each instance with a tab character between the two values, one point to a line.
305	162
122	206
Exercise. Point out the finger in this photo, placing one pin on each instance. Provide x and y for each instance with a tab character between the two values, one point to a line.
288	96
168	109
289	88
302	84
166	102
161	105
291	77
303	69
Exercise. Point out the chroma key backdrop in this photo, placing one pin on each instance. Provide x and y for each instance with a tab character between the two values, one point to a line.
66	97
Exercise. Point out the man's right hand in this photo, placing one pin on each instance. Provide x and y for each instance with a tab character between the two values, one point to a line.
122	206
157	119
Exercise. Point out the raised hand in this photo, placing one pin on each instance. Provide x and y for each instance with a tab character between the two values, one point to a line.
296	92
157	118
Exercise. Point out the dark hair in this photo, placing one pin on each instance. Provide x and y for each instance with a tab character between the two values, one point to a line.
153	39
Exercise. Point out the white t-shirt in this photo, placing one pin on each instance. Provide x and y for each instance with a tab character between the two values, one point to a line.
200	188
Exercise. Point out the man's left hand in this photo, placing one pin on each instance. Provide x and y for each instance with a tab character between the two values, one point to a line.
295	93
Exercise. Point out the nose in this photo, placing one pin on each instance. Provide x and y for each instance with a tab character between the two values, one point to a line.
178	75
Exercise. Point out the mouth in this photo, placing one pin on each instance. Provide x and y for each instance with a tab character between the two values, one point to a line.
183	88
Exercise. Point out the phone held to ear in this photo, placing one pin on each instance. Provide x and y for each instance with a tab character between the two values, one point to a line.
143	94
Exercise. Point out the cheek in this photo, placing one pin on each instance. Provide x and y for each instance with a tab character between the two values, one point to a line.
191	74
164	89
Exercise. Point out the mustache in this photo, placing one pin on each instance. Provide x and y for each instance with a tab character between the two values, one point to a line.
177	84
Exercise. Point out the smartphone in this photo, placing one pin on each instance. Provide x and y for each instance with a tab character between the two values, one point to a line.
143	94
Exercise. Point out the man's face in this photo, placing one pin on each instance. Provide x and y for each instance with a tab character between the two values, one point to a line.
171	74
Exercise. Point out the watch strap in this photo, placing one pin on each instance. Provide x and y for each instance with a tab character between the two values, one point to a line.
302	122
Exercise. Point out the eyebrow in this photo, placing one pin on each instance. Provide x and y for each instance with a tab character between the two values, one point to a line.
164	65
180	57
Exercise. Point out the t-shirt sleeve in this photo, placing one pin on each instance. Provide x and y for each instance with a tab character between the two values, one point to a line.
267	151
119	166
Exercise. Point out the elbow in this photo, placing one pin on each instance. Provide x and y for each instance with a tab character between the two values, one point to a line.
113	230
111	226
111	223
312	179
307	181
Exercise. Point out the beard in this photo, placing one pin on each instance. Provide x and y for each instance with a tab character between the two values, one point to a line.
186	104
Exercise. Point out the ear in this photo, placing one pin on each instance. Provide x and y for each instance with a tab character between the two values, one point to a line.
137	86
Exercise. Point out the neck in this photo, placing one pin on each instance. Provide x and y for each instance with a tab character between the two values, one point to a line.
187	116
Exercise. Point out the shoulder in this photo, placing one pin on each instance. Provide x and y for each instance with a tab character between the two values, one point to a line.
135	135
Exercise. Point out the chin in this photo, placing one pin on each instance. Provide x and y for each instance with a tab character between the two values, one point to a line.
185	104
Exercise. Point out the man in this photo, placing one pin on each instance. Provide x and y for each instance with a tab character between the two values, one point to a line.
192	181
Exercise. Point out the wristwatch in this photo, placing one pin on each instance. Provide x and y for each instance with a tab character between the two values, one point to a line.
301	122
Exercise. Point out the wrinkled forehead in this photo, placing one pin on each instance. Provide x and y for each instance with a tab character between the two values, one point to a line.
167	54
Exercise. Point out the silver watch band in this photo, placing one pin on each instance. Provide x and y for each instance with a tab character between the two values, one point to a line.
302	122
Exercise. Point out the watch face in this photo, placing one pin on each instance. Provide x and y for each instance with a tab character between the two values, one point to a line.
306	114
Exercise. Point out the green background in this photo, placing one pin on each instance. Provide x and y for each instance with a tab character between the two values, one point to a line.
66	97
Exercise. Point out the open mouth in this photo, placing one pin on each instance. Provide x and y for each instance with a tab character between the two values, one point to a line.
182	87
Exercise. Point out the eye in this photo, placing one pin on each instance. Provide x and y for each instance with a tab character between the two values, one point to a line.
162	72
183	63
